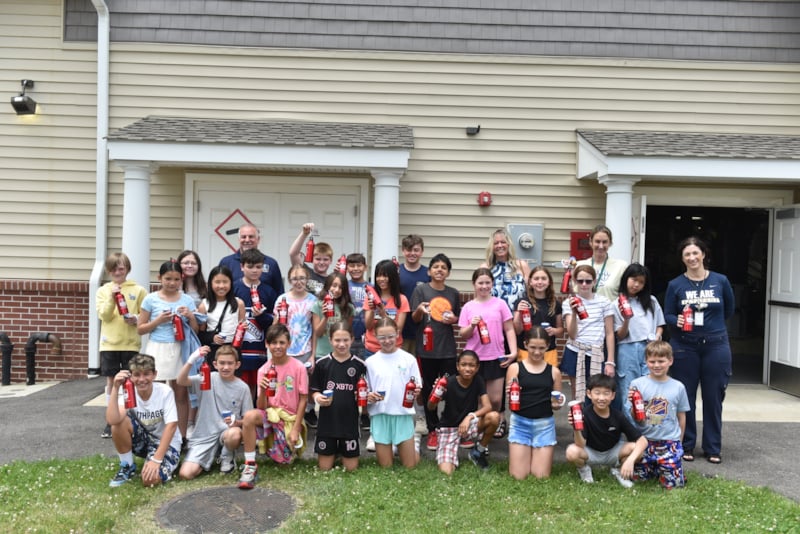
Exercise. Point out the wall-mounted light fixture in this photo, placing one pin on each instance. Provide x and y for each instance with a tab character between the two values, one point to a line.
473	130
22	103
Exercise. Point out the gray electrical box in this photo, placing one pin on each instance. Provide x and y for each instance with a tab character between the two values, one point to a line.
527	239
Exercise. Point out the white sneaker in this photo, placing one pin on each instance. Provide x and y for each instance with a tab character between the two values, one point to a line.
421	427
370	444
586	474
624	482
227	462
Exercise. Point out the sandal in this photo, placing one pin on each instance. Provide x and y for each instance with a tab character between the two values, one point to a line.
501	430
714	459
688	457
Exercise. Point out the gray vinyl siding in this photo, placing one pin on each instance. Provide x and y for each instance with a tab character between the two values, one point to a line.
715	30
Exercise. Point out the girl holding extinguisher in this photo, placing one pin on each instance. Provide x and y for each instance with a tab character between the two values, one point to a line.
539	307
294	309
394	381
224	311
165	314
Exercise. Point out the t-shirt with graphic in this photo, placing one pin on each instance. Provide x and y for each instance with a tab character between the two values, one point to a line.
663	400
713	296
459	400
292	382
370	341
253	342
340	419
494	312
444	341
298	321
153	303
157	412
358	292
409	281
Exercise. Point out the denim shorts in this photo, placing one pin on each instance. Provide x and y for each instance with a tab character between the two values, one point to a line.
391	429
534	433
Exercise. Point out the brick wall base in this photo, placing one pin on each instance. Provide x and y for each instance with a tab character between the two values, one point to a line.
58	308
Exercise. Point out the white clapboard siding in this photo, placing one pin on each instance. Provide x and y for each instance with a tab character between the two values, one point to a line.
525	154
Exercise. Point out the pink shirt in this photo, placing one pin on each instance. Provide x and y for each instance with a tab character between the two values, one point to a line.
370	341
292	382
494	312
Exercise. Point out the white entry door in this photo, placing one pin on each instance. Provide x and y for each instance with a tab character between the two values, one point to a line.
784	299
279	211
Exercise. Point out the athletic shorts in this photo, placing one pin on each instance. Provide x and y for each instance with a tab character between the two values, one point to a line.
662	459
491	370
534	433
346	448
449	440
609	457
391	429
114	361
203	451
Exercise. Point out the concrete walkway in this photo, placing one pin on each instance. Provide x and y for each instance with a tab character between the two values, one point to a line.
64	420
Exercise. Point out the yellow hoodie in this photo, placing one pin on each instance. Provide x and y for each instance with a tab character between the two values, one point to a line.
115	334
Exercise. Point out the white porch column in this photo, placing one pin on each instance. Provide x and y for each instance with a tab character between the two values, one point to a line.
619	213
136	218
386	214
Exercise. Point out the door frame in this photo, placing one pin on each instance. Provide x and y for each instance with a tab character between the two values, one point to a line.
707	195
289	184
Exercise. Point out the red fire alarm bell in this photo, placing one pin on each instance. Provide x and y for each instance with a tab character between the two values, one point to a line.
484	198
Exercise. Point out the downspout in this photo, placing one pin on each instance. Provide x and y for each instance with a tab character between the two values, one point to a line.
101	188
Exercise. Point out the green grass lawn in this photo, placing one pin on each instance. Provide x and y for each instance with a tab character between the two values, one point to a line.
73	496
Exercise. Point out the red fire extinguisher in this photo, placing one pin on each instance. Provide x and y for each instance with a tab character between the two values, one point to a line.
688	319
361	392
309	249
625	307
238	337
514	394
283	311
205	376
565	282
177	327
577	303
525	315
577	414
341	264
427	337
255	298
129	393
272	381
483	331
327	304
408	396
122	306
438	391
638	405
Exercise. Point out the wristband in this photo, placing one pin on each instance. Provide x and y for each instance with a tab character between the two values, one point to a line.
156	461
473	414
611	363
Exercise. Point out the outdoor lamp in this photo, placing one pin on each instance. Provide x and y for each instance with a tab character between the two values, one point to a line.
22	103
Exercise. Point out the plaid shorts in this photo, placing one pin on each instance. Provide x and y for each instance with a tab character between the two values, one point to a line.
144	446
449	439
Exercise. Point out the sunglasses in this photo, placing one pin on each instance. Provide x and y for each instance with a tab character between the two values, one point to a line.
584	281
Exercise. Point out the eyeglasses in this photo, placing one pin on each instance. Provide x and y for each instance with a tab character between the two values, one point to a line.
386	338
584	281
298	279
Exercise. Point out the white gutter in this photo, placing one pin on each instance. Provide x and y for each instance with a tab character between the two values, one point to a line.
101	190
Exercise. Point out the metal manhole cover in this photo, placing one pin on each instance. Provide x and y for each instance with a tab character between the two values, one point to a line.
226	509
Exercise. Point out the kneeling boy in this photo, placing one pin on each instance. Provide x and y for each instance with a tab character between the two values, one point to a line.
150	430
599	441
219	414
666	404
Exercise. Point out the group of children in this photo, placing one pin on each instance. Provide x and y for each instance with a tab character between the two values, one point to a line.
328	344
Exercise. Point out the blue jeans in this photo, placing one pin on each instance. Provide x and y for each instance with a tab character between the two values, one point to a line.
630	365
704	361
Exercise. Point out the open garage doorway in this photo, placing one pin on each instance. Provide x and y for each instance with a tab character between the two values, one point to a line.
739	241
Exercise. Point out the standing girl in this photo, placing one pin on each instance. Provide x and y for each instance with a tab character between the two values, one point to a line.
224	311
389	370
492	311
587	336
299	315
387	301
532	436
194	284
338	374
544	309
343	310
156	319
633	334
608	270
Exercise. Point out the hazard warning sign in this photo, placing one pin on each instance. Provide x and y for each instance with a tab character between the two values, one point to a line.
228	229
